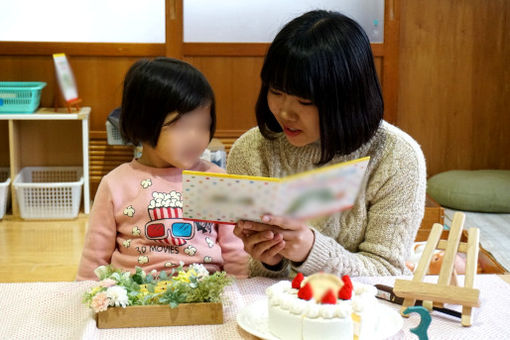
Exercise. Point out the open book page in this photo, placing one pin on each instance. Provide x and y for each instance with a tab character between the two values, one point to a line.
322	191
226	198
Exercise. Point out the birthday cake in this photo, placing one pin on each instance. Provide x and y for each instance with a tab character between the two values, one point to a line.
322	306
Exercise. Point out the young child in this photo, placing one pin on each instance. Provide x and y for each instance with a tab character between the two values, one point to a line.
168	106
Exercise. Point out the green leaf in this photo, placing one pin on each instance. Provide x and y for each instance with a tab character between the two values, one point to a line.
137	278
199	289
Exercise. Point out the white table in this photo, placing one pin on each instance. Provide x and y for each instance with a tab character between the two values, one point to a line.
55	311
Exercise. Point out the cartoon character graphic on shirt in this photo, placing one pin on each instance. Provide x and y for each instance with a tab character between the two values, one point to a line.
166	225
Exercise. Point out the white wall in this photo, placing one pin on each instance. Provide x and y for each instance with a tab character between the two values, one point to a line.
126	21
143	21
260	20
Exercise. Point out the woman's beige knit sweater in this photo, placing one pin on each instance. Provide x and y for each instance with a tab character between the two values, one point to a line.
375	236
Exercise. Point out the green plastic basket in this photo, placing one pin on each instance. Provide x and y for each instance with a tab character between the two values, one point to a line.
20	96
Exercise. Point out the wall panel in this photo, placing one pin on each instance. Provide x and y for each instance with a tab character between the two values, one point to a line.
454	91
452	76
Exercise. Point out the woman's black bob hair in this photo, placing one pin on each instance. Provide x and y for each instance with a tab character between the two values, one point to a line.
325	57
155	88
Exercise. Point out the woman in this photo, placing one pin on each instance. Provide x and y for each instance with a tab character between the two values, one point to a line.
320	103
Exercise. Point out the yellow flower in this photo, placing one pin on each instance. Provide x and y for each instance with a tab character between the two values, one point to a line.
95	290
162	286
143	289
182	277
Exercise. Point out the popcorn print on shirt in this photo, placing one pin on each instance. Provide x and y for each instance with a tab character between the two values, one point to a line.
210	243
190	250
146	183
129	211
143	259
164	209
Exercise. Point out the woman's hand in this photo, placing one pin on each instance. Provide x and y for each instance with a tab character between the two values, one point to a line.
297	236
263	246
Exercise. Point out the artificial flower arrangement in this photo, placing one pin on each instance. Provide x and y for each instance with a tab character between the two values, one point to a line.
185	296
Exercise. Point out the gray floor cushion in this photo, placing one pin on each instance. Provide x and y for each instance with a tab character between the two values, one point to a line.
475	190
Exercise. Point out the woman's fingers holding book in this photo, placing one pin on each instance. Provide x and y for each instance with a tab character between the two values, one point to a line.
251	227
283	222
298	244
299	238
262	245
265	247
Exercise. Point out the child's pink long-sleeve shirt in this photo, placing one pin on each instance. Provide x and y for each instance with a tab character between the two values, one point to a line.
136	221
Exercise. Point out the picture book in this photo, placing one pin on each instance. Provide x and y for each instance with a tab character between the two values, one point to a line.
65	77
225	198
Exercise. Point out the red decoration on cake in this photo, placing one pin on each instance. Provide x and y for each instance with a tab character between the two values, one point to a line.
345	292
296	283
347	280
329	297
305	292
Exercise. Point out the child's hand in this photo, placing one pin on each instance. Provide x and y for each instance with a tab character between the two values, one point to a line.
298	237
263	246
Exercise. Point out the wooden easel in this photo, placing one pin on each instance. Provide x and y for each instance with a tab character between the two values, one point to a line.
446	290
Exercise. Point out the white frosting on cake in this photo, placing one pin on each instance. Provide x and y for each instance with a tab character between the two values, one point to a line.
293	318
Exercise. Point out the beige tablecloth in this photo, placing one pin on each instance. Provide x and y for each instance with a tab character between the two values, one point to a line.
55	311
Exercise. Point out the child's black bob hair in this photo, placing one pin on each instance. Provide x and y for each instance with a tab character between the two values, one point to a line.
155	88
325	57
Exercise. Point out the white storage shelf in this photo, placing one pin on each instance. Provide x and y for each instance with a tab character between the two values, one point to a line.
49	138
4	190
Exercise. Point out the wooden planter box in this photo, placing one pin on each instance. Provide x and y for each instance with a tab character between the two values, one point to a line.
161	315
434	213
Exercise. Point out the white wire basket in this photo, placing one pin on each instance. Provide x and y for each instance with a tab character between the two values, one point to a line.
113	136
49	192
5	180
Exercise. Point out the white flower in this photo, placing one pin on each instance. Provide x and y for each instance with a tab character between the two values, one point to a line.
199	269
100	271
118	296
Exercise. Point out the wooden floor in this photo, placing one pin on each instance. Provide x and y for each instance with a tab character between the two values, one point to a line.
40	250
